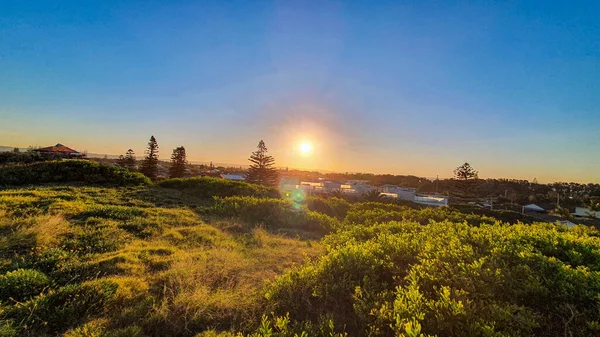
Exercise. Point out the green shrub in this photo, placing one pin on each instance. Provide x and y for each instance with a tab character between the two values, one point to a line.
273	213
334	207
24	157
450	279
207	187
62	309
373	212
66	171
22	284
502	215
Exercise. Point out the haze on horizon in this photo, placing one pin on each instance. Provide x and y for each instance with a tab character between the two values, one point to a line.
382	86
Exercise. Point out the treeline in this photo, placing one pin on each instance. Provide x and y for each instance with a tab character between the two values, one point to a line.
262	170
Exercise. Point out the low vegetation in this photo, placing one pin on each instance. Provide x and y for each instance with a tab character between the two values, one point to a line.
204	257
65	171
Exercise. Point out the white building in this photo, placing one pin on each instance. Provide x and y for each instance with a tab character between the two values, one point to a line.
236	177
403	193
584	211
430	200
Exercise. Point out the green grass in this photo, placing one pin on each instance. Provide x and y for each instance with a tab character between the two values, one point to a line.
169	269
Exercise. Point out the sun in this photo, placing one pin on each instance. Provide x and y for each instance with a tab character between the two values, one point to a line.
305	147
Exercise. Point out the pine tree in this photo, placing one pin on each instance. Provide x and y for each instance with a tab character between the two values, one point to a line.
465	180
129	160
262	171
149	165
178	163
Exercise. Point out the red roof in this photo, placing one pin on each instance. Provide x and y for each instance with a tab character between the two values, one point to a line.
58	148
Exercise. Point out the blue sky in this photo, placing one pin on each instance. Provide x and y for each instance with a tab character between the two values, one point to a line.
405	87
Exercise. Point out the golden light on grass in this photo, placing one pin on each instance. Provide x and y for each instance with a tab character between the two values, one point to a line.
305	147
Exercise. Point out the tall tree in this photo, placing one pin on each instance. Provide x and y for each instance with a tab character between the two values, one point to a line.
178	163
262	170
128	160
149	165
465	180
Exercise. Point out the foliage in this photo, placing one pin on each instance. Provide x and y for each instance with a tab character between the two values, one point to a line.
262	170
502	215
373	195
449	279
149	166
273	213
22	284
128	161
61	171
178	163
465	181
334	207
207	187
24	157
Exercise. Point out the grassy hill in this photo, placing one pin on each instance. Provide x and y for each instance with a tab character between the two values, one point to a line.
205	257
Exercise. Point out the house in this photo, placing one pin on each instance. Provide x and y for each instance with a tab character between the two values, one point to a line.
401	192
533	208
586	212
60	150
234	176
430	200
567	223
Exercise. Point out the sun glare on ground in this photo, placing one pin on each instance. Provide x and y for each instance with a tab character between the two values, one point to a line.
305	147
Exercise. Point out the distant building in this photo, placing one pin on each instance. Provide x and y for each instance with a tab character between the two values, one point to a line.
533	208
289	183
403	193
60	150
234	176
584	211
430	200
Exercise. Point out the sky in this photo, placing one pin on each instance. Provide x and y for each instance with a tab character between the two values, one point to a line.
401	87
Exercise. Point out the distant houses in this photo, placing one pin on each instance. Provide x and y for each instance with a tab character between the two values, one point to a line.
234	176
59	150
357	188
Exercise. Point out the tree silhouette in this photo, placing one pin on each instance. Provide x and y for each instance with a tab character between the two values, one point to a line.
373	195
338	194
16	150
465	180
262	170
128	160
178	163
149	165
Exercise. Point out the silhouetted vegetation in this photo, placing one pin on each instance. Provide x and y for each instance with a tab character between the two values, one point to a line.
149	166
63	171
178	163
262	170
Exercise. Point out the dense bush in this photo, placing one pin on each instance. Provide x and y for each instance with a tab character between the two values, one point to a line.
24	157
22	284
334	207
450	279
502	215
273	213
62	171
373	212
208	187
